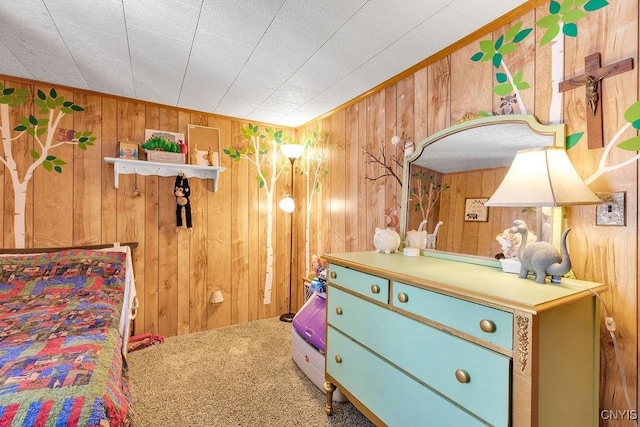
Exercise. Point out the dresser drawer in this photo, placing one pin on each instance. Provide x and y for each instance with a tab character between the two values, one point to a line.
486	323
392	396
429	354
364	284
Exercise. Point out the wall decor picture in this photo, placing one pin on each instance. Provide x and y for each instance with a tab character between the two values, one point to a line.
128	150
205	158
204	145
176	137
475	210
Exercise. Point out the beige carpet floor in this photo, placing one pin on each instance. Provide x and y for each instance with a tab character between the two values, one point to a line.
241	375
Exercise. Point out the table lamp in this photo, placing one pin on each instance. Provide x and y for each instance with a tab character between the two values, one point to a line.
542	177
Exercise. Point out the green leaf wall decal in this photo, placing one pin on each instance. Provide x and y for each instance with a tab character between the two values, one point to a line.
570	30
573	139
503	89
595	5
631	144
633	112
573	16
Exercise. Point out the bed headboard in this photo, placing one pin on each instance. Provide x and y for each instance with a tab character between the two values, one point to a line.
132	245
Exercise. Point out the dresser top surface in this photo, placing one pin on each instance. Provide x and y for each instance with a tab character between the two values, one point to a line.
467	280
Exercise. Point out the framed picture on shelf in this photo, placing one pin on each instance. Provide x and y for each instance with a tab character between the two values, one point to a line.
128	150
204	145
176	137
475	209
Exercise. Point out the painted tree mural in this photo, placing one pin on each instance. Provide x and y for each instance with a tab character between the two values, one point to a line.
495	52
262	151
561	22
632	116
312	165
43	129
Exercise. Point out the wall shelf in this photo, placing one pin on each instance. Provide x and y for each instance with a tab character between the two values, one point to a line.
142	167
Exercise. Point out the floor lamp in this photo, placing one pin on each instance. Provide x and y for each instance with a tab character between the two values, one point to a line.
292	152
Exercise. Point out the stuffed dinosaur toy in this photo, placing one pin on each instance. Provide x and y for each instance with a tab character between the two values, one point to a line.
182	193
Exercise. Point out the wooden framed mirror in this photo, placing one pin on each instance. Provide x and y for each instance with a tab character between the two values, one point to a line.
463	165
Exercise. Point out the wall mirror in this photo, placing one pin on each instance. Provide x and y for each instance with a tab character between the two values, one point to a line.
453	172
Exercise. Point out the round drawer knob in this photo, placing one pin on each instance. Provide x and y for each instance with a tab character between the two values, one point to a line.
333	275
338	358
402	297
375	289
462	376
487	326
339	311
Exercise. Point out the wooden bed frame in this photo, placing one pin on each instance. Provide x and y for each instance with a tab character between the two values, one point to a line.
132	245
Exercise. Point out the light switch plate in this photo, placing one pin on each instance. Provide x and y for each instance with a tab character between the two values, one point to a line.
612	211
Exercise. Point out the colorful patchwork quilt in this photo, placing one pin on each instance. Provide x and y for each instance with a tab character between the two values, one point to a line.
60	349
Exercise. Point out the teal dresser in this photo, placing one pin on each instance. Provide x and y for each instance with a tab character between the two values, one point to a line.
421	341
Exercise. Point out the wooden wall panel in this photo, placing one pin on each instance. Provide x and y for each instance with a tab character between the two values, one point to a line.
241	181
422	102
470	94
219	226
352	179
608	254
391	200
439	95
376	188
365	236
87	175
108	146
337	184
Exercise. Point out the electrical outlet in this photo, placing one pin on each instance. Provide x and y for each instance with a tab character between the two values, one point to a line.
612	210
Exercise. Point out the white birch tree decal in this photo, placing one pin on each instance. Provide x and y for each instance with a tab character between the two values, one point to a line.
53	108
561	22
632	116
312	166
262	150
495	52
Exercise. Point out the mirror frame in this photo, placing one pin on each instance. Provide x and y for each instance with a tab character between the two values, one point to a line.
558	132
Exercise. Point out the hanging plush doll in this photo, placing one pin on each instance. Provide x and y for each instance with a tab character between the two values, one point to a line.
182	193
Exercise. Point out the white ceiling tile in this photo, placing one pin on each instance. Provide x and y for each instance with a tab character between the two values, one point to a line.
483	12
11	65
277	61
170	19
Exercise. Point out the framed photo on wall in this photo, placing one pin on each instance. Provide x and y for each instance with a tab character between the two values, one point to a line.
475	209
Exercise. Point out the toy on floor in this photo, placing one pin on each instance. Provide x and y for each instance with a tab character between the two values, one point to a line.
309	342
138	342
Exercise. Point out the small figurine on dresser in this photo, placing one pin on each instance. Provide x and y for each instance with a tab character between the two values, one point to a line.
386	240
541	258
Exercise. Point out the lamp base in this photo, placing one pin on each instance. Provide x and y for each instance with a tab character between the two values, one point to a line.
287	317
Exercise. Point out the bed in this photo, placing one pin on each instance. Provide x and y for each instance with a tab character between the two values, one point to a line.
65	320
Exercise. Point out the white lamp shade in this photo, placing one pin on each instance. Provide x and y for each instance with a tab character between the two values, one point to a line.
542	177
287	204
292	151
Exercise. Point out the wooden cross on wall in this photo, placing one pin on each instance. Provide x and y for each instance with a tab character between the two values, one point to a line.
593	75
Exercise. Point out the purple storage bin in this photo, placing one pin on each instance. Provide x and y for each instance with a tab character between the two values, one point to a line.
309	322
